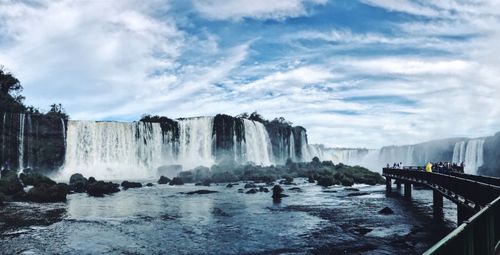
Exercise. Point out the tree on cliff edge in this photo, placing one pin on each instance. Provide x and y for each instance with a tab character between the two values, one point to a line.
11	99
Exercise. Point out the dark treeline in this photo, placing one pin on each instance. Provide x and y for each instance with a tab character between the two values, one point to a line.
12	100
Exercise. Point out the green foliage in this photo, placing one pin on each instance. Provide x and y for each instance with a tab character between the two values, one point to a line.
325	173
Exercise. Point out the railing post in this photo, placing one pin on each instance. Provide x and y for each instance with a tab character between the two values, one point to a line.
407	190
437	205
388	185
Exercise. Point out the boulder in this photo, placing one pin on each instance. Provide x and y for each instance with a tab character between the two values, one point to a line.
131	185
10	184
149	184
176	181
35	179
263	189
201	191
77	178
296	189
230	185
44	193
241	190
78	183
251	191
355	194
310	179
386	211
101	188
351	189
92	179
278	192
163	180
325	181
249	185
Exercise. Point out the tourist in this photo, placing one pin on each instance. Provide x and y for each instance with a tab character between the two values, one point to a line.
428	167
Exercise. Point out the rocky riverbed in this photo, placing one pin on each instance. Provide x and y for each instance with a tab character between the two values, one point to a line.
173	219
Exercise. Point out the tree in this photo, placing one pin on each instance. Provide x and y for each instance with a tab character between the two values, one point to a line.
8	83
56	110
255	116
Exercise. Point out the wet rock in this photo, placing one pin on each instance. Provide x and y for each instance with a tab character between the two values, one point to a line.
278	192
386	211
249	186
10	184
230	185
203	183
251	191
45	193
92	180
101	188
330	191
241	190
78	183
200	192
362	230
77	178
325	181
295	189
351	189
35	179
131	185
355	194
310	179
287	181
263	189
176	181
163	180
149	184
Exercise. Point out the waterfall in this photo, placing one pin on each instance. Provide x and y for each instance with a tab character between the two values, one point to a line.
473	155
291	152
459	152
115	150
22	117
196	142
63	126
257	143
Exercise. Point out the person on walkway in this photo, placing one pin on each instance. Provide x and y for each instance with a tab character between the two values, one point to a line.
428	167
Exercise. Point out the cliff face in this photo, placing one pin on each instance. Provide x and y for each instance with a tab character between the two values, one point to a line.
229	136
491	157
32	141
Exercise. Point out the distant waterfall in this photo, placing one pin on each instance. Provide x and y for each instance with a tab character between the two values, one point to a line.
196	142
470	153
257	143
291	151
22	118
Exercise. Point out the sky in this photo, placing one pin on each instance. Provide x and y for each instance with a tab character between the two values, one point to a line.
354	73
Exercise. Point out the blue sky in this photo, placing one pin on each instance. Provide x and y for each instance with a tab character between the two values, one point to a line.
363	73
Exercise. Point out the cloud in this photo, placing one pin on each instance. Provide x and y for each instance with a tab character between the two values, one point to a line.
256	9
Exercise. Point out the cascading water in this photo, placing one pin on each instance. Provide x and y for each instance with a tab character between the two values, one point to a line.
291	151
470	153
114	150
257	143
196	142
21	141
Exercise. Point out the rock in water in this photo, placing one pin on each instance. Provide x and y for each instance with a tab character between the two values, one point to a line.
149	184
78	183
10	184
296	189
351	189
310	179
250	186
386	211
356	194
176	181
35	179
131	185
230	185
201	191
263	189
278	192
44	193
251	191
100	188
163	180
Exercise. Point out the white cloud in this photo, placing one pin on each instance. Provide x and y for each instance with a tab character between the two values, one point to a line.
256	9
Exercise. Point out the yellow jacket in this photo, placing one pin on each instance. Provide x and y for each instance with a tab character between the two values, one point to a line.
428	167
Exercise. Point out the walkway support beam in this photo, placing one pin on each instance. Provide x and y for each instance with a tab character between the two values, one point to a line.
437	205
388	184
407	190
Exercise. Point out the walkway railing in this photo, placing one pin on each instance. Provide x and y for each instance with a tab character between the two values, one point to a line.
478	235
